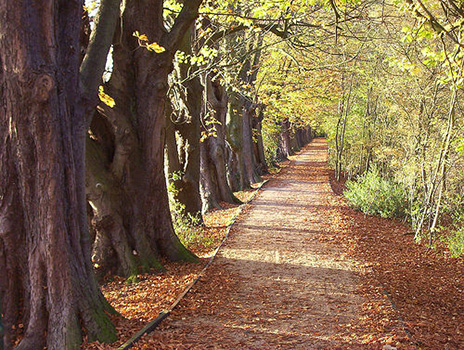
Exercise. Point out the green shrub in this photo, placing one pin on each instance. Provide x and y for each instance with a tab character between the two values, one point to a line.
455	242
373	194
186	226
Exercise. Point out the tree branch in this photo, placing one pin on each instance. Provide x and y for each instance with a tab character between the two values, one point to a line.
93	64
171	41
428	16
232	30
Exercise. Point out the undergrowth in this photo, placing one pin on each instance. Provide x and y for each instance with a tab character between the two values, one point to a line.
375	195
188	227
455	242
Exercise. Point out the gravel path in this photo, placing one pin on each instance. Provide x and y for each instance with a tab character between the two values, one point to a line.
278	283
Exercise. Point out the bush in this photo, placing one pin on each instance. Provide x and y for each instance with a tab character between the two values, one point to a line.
375	195
455	242
187	227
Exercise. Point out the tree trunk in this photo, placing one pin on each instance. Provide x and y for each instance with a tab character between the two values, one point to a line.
237	171
47	282
294	144
249	161
235	176
184	141
258	145
1	325
214	185
112	158
129	195
285	140
299	138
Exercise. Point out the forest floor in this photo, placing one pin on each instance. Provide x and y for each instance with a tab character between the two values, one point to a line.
302	270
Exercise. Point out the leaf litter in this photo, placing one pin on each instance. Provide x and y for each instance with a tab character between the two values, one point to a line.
139	303
404	296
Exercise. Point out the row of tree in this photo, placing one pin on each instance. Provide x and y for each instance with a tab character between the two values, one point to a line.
83	180
404	108
395	106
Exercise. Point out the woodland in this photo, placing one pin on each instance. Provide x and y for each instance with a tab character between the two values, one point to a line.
123	123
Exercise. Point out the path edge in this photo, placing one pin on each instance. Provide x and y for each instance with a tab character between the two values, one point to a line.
152	325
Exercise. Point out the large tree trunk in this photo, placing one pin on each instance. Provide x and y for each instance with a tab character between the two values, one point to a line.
183	134
242	161
237	171
114	167
183	157
1	325
294	143
249	160
47	283
241	113
130	200
112	163
214	185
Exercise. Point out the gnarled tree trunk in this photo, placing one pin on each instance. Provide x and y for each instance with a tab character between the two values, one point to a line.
285	139
47	282
183	134
130	199
237	172
249	160
258	144
214	185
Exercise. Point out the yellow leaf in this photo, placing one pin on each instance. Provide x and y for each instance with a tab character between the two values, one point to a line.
141	37
204	136
156	47
106	99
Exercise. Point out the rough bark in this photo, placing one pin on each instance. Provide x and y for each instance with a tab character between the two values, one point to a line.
129	195
1	327
183	168
242	161
242	110
94	60
249	112
250	118
214	185
237	171
112	160
285	139
294	142
47	282
183	133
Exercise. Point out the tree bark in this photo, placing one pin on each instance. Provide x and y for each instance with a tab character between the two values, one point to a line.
131	204
294	143
249	160
237	171
214	185
285	140
183	142
48	285
258	145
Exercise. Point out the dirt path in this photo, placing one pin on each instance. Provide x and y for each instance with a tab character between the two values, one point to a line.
303	270
278	283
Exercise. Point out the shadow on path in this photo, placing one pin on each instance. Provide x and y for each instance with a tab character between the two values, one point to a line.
277	283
